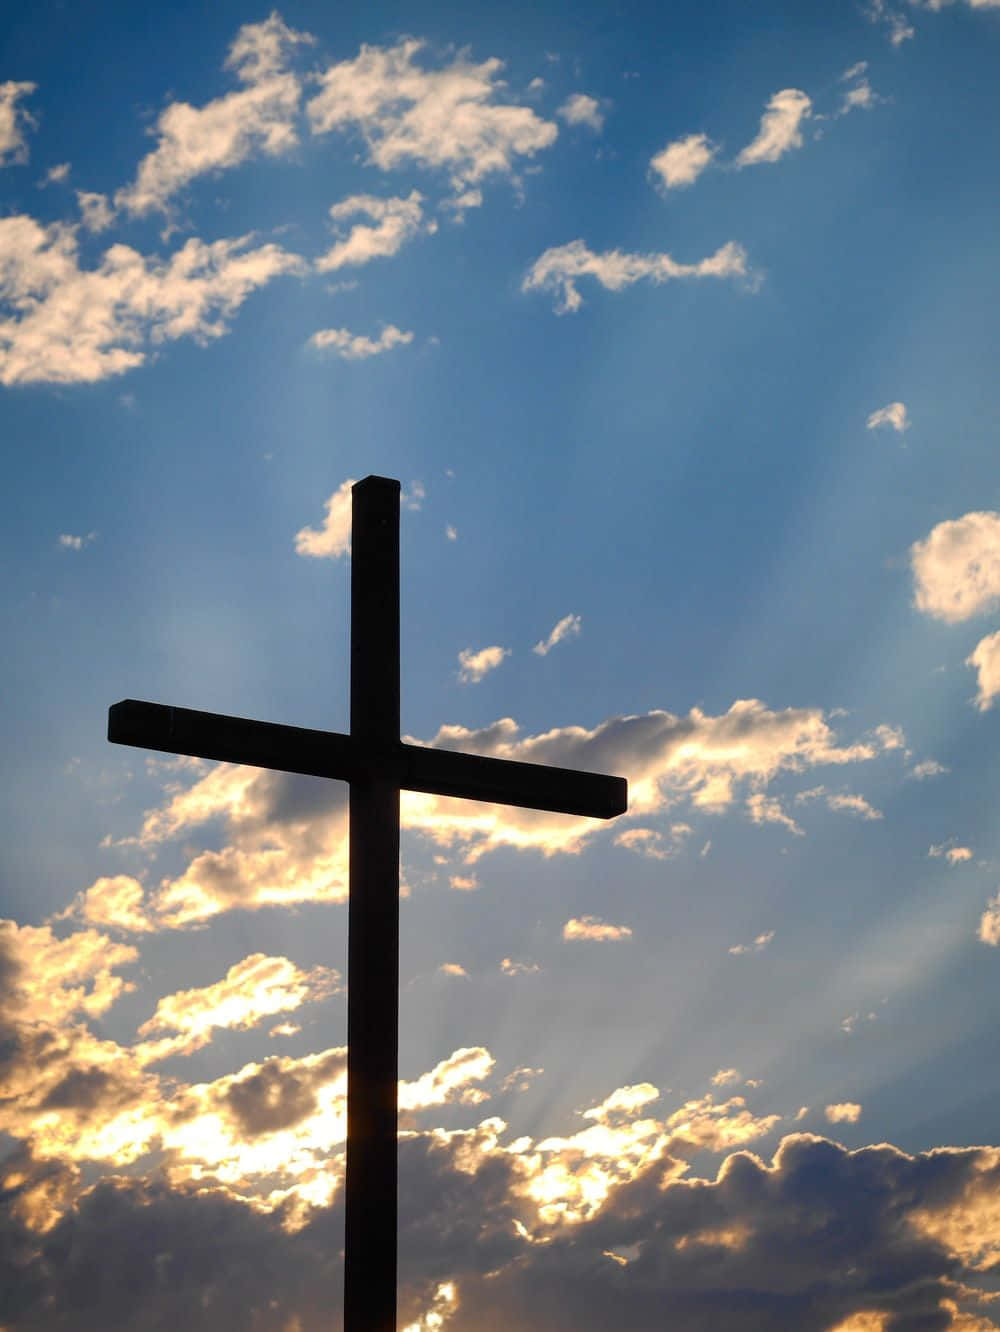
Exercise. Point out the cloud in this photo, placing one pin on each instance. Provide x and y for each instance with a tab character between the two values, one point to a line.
892	414
579	109
985	657
844	1112
900	29
450	118
767	809
453	969
854	804
356	346
956	569
682	161
474	665
333	539
259	118
463	883
14	120
954	855
927	768
280	838
652	843
451	532
96	213
758	945
560	268
396	221
253	989
861	96
594	929
989	922
68	325
67	541
114	901
569	626
780	128
510	967
56	175
725	1077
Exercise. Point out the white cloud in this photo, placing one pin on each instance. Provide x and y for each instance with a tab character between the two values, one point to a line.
767	809
334	537
260	117
854	804
956	569
396	221
474	665
843	1112
67	541
780	128
954	855
682	161
96	212
449	118
985	657
927	768
900	29
594	929
892	414
569	626
14	120
356	346
56	174
989	923
579	109
560	267
71	325
758	945
451	532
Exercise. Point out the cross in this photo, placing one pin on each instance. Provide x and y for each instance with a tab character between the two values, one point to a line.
377	765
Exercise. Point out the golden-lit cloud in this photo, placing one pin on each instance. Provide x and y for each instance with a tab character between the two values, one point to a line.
956	568
843	1112
985	657
473	665
989	922
568	627
595	930
893	414
758	945
955	855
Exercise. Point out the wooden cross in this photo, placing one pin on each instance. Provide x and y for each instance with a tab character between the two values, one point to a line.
377	765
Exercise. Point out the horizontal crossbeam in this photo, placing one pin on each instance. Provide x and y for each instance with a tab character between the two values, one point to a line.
441	772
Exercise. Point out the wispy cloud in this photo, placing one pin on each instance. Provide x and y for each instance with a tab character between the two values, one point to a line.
780	128
67	541
259	118
474	664
892	414
758	945
396	221
682	161
595	930
357	346
568	627
561	267
14	120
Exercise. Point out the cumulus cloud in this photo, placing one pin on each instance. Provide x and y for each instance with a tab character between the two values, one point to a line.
258	118
60	323
334	537
579	109
892	414
473	665
843	1112
395	220
595	930
56	175
560	268
114	901
927	768
14	120
985	657
682	161
780	128
356	346
569	626
452	118
956	568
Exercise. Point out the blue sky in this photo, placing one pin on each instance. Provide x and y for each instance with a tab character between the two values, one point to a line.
678	329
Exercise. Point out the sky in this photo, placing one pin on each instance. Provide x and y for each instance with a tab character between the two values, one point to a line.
677	325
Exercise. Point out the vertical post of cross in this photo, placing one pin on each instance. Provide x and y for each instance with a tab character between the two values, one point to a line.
373	928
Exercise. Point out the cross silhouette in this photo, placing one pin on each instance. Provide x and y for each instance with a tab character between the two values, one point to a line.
377	765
